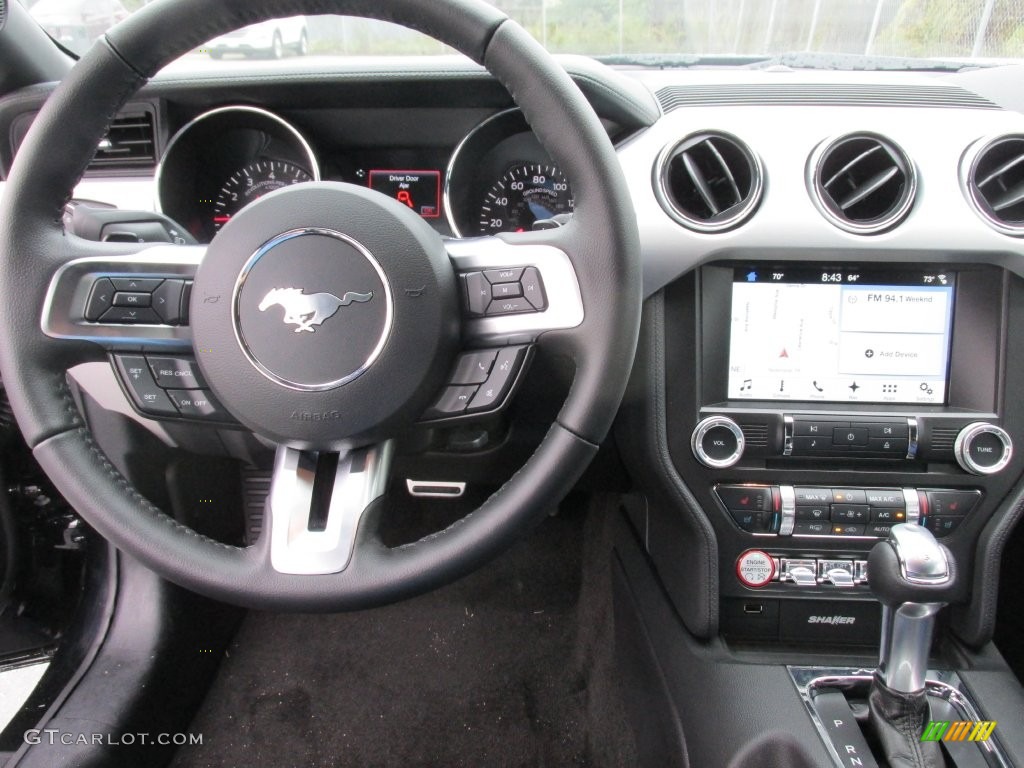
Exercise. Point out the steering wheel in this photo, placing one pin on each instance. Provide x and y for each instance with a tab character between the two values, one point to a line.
361	357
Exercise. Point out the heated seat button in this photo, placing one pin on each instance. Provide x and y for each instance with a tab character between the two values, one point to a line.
146	395
167	301
942	525
101	298
743	498
176	373
752	522
198	404
951	503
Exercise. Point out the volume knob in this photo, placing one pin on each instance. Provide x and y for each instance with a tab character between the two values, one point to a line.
717	442
982	448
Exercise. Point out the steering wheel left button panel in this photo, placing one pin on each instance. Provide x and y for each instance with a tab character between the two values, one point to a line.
168	387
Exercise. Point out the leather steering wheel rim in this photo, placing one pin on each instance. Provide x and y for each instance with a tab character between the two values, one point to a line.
601	241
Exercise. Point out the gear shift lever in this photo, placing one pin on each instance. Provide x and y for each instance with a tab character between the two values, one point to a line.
913	576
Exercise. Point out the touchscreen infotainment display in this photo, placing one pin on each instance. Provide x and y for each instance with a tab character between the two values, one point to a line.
840	335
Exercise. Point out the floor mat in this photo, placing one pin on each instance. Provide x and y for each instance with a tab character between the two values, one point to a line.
511	666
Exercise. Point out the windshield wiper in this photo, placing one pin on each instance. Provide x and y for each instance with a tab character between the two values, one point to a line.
860	63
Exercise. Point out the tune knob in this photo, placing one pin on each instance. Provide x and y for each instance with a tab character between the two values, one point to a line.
982	448
717	442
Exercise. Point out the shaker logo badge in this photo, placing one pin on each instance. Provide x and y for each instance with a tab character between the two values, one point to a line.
312	310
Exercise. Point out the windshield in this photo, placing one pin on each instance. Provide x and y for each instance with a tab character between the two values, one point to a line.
628	29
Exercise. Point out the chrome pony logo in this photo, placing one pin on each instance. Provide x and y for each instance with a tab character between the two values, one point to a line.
308	311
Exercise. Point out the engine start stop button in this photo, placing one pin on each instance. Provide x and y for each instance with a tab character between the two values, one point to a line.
755	568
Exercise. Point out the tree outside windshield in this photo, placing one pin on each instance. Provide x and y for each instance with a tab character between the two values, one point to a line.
917	28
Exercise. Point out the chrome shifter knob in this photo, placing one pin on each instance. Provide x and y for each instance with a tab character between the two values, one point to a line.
913	576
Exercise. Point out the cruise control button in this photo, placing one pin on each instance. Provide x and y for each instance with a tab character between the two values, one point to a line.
942	526
507	275
131	316
533	288
478	293
473	367
143	284
889	497
493	390
101	298
197	404
132	299
742	498
850	436
176	373
452	402
509	306
813	495
142	389
951	503
167	301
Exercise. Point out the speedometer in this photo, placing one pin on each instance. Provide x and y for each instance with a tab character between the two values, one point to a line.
252	182
526	192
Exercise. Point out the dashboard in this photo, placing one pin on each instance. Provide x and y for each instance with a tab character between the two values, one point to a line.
833	268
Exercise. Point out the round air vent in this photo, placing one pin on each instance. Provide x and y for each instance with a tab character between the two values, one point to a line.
709	181
995	183
863	183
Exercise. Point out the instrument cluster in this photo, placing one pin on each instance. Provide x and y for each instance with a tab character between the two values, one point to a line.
498	178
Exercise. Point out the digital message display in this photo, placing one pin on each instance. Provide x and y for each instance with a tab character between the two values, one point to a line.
419	190
840	335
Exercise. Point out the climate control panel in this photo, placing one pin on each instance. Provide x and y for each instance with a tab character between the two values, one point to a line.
785	510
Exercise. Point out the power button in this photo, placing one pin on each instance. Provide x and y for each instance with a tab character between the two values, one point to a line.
755	568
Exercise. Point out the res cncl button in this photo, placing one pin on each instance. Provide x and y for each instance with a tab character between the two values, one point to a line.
755	568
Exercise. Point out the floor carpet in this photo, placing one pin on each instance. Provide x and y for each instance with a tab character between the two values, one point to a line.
511	666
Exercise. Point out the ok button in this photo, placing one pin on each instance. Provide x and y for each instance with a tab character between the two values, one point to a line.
850	436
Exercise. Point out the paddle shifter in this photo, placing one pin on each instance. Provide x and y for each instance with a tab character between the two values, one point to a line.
913	576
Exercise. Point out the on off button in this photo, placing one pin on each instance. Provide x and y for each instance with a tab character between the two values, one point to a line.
755	568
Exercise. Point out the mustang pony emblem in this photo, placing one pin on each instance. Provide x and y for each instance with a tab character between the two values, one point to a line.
307	311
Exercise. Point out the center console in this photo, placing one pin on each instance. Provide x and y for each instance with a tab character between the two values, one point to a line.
785	416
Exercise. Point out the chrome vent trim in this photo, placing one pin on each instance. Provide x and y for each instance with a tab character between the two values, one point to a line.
814	95
993	180
862	182
130	142
710	181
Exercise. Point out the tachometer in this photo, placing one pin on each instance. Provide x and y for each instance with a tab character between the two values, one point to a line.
251	182
525	193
